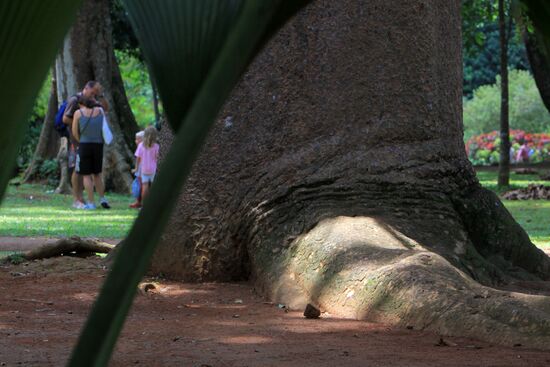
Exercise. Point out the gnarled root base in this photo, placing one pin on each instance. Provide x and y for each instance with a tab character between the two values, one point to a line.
359	267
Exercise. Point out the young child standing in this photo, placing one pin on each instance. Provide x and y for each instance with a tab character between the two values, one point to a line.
147	156
137	172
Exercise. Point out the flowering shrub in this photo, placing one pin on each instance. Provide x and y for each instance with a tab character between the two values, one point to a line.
484	149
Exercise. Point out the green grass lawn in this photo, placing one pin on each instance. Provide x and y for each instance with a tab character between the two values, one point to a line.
532	215
489	181
34	210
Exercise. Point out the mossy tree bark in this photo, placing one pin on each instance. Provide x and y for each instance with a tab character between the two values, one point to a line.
88	54
337	175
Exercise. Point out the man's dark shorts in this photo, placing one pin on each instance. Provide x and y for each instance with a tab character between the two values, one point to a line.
89	159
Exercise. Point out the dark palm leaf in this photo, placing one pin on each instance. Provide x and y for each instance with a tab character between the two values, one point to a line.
539	12
181	40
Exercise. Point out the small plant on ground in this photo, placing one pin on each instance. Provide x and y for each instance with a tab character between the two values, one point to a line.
14	259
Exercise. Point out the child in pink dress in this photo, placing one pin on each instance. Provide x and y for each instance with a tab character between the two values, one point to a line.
147	156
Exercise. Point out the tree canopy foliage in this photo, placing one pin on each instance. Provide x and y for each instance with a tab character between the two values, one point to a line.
480	39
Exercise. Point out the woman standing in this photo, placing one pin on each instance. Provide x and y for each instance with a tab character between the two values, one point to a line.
87	129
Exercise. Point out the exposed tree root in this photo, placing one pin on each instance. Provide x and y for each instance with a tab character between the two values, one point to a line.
74	246
360	268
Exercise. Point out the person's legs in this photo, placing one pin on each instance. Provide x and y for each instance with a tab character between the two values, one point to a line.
100	188
146	181
76	179
97	153
144	190
76	183
89	186
98	182
137	203
84	168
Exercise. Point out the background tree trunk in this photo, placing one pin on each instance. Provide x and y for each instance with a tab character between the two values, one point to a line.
504	161
337	175
48	143
64	186
155	102
88	54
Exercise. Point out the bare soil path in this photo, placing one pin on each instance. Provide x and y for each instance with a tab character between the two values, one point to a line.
43	305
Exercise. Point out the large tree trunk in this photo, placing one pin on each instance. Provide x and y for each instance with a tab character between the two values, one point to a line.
337	175
88	54
48	143
538	53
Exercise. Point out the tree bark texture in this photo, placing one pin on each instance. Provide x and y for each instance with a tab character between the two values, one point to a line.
504	161
48	142
538	54
88	54
64	186
336	175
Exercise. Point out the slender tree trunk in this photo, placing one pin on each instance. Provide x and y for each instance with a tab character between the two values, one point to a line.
48	143
88	54
504	162
538	53
155	102
337	175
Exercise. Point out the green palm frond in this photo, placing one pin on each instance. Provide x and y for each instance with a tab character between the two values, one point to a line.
31	32
195	65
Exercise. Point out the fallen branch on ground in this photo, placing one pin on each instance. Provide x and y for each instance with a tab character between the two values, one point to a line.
65	246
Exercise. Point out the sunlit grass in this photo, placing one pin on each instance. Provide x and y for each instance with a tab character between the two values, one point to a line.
34	210
532	215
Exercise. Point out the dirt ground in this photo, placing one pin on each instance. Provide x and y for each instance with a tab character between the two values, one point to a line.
43	305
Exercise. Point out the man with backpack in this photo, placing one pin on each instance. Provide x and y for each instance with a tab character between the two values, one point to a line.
91	91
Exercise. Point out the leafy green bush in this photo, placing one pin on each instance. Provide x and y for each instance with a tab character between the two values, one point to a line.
49	168
26	150
138	88
527	112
